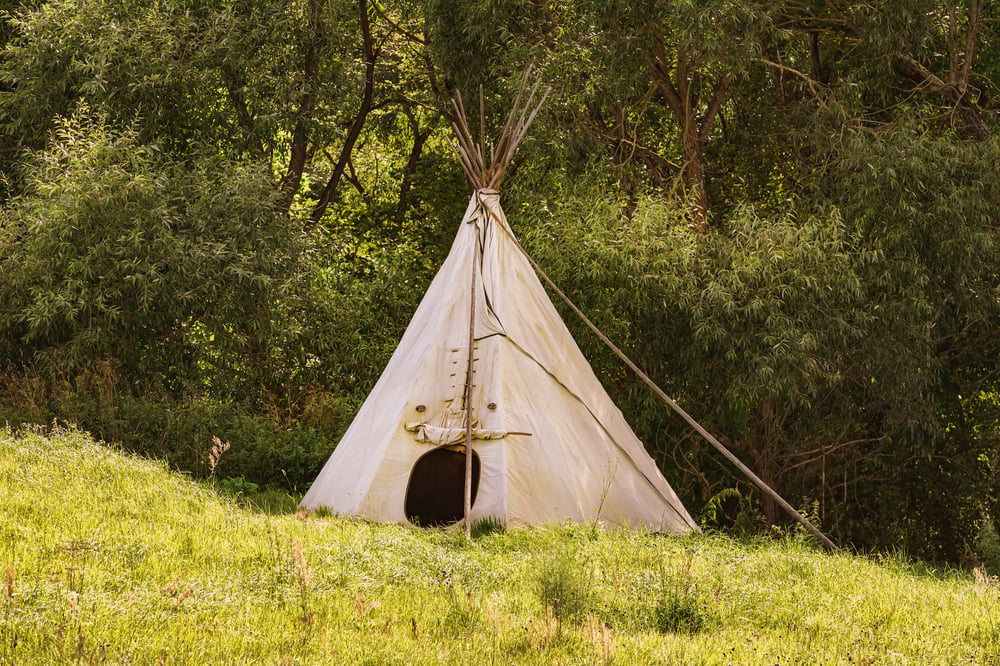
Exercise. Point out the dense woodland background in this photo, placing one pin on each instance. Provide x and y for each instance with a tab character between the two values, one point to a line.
218	217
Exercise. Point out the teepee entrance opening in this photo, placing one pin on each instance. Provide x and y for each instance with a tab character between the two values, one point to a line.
434	496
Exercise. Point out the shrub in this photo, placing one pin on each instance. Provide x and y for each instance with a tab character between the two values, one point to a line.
680	606
564	584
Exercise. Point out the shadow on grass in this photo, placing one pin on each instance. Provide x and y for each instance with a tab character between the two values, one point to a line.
271	501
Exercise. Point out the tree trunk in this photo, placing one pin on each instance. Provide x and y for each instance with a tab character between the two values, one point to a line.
420	137
673	77
371	54
767	432
300	149
694	174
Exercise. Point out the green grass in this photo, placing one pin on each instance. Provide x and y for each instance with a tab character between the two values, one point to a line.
106	558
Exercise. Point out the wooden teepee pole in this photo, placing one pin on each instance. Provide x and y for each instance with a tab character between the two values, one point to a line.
468	393
482	175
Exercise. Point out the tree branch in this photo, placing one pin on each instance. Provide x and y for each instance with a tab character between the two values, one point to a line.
718	99
419	139
413	37
952	44
235	85
662	70
814	87
975	12
626	146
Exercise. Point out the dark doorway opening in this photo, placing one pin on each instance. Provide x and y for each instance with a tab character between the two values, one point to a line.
436	494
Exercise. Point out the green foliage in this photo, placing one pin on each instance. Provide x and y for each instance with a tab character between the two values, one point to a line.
175	270
158	301
835	348
755	315
179	431
988	546
927	210
189	73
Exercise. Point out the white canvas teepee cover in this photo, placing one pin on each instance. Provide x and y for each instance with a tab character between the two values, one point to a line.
551	444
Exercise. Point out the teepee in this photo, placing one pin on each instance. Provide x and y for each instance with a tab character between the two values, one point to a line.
487	364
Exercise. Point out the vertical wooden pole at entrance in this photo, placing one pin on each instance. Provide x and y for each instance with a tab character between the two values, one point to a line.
468	391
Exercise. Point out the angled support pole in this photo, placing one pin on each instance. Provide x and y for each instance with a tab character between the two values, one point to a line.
711	439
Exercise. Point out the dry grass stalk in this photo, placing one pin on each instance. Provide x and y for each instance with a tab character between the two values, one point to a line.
72	604
621	585
81	642
170	589
983	580
218	448
599	634
491	614
363	604
544	632
10	585
180	598
548	629
607	644
301	568
210	626
173	592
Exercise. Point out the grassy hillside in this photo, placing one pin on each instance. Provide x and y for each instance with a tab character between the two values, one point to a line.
106	558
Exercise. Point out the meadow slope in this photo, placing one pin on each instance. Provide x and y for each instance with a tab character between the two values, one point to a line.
107	558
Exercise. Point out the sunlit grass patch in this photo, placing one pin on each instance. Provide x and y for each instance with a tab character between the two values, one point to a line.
109	558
